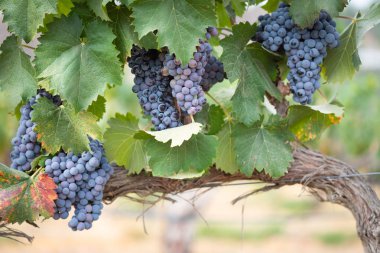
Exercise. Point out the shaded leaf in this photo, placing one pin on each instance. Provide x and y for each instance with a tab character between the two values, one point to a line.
184	23
25	198
98	107
194	155
17	75
61	126
121	145
342	62
305	12
25	16
225	151
254	80
99	8
369	20
79	68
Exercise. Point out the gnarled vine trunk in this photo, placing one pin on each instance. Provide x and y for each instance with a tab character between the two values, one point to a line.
326	178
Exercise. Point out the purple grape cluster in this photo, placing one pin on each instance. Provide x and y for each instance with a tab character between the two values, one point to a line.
80	180
186	80
152	87
214	73
25	146
305	48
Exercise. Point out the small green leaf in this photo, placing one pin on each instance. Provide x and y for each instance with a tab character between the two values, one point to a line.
65	6
195	154
98	107
17	75
79	68
305	12
61	126
222	15
121	145
369	20
308	123
25	198
225	151
177	135
212	117
25	16
342	62
263	147
184	23
99	8
238	6
272	5
254	80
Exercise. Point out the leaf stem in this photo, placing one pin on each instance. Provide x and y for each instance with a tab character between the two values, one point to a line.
347	17
27	46
38	171
229	117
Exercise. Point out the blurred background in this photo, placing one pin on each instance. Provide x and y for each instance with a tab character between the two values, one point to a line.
288	220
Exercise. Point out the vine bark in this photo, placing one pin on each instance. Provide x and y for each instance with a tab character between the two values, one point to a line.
327	178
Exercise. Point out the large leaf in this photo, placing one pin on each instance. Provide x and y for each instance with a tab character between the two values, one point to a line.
79	68
25	198
194	155
308	123
342	62
241	64
262	147
369	20
17	75
225	152
179	23
121	145
25	16
305	12
61	126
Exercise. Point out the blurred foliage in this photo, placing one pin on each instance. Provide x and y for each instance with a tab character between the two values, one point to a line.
335	238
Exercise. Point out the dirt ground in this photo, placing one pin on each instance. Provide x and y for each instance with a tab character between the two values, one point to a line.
287	221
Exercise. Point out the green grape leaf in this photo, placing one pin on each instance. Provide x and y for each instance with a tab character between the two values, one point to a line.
99	8
177	135
308	123
271	6
125	31
61	126
241	64
25	198
17	75
225	152
239	7
65	6
194	155
342	62
223	18
98	107
25	16
369	20
121	144
305	12
79	68
215	119
184	23
263	147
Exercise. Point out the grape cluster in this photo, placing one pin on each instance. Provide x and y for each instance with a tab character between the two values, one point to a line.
80	180
152	88
214	73
211	32
305	48
25	144
186	86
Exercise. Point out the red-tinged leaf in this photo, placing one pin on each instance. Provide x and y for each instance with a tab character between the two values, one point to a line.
25	198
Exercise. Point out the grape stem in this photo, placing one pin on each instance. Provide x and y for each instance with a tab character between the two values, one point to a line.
347	17
322	94
38	171
27	46
229	117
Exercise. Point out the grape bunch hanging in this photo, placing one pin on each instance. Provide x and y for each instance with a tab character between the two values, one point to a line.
80	178
167	88
305	48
